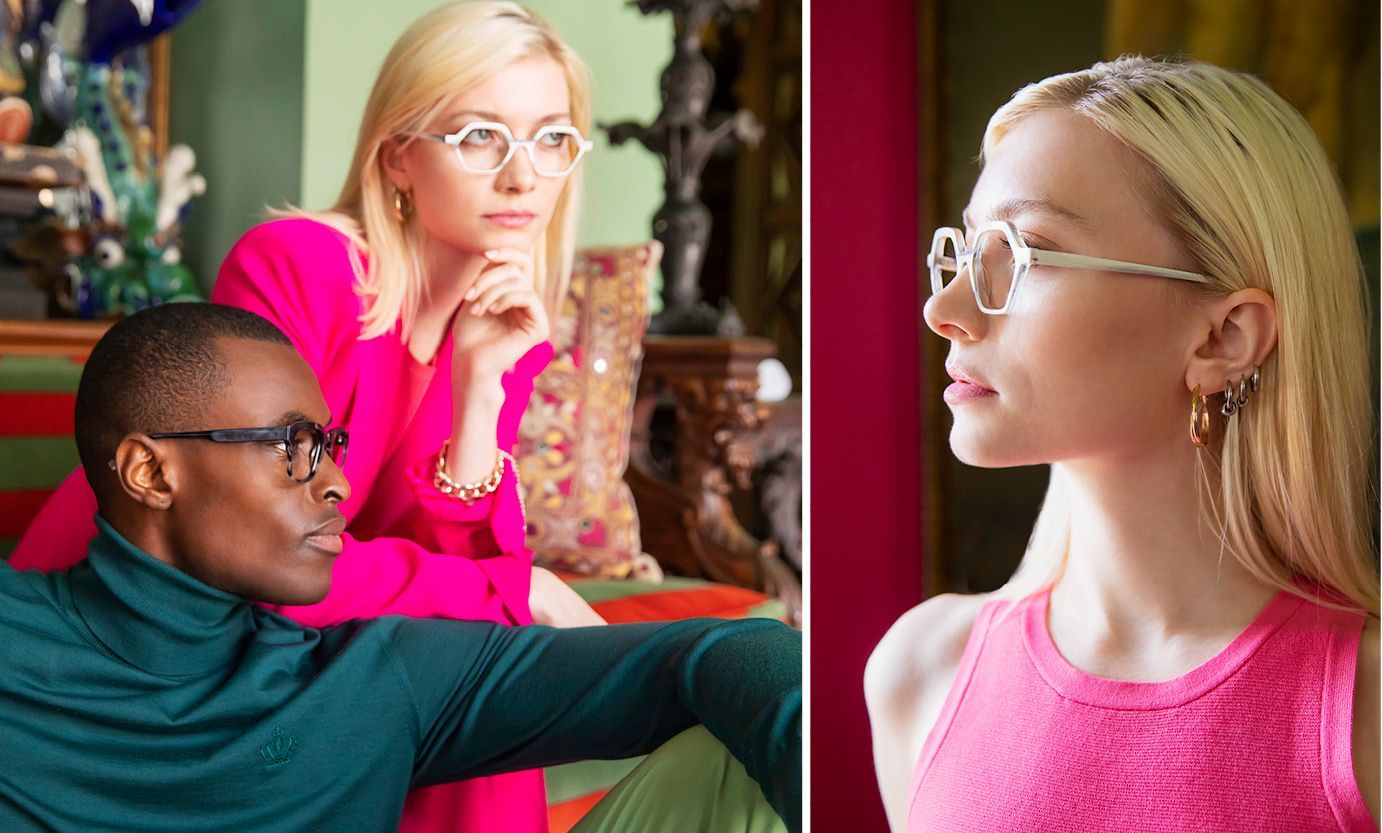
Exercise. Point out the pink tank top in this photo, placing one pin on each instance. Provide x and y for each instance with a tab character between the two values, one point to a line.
1256	739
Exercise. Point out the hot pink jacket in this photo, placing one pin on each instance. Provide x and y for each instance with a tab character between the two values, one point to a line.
408	549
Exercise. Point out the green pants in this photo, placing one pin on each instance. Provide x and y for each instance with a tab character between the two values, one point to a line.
690	784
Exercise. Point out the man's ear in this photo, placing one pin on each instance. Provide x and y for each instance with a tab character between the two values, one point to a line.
395	163
145	471
1240	332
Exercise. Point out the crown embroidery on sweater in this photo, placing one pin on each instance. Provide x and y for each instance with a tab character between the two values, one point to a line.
279	750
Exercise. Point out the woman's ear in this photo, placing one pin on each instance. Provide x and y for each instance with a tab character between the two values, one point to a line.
1239	333
145	472
393	155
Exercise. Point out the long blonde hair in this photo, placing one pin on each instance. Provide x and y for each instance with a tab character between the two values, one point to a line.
443	53
1237	174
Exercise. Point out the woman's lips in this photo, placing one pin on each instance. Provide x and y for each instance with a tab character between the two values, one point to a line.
511	219
965	387
966	391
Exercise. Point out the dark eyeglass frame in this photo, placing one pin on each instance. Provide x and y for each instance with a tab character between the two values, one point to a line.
334	441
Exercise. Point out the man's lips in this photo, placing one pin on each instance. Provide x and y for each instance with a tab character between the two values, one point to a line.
328	536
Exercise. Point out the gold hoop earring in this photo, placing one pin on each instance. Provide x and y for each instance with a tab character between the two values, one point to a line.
1199	418
402	205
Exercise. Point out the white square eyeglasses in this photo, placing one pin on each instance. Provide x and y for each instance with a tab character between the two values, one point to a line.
999	261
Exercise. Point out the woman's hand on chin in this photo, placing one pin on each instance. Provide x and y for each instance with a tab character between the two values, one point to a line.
501	318
554	603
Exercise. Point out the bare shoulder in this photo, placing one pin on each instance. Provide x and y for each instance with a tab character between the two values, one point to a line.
1367	716
927	639
905	686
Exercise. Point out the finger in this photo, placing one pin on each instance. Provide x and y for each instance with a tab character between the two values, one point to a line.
517	257
494	275
482	303
510	255
489	283
517	299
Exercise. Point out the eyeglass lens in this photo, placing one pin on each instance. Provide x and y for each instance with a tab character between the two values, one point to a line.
994	268
485	149
305	450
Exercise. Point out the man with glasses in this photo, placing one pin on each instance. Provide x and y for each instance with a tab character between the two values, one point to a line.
144	692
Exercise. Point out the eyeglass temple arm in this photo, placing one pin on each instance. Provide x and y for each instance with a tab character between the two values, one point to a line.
1089	262
232	435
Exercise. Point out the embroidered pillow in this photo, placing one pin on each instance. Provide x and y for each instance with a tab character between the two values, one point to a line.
573	442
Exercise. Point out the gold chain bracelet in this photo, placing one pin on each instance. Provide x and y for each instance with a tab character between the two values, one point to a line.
468	492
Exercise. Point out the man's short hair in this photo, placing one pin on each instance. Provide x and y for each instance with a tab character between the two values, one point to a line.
155	371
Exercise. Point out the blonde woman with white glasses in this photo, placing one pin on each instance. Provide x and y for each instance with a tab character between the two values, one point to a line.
1158	293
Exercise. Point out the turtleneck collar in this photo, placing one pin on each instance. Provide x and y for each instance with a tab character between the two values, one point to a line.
154	616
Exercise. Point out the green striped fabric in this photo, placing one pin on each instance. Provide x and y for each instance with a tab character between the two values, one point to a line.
31	463
38	373
36	462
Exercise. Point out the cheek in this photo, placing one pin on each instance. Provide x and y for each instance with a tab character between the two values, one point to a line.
1075	381
239	524
548	193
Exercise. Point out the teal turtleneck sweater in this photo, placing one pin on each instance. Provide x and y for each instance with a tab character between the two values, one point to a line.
136	698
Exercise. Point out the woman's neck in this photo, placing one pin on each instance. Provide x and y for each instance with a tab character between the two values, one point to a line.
447	273
1148	585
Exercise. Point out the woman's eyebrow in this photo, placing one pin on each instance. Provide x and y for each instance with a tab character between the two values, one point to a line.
487	116
1007	209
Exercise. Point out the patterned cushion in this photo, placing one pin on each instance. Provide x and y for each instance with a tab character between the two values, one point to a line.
37	394
573	443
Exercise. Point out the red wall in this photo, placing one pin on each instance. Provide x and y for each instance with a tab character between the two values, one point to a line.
865	556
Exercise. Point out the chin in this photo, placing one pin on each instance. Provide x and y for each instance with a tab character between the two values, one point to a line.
986	450
309	595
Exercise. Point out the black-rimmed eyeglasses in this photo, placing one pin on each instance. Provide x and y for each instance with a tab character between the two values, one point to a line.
303	443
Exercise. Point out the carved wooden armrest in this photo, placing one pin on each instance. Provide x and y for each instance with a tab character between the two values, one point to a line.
685	516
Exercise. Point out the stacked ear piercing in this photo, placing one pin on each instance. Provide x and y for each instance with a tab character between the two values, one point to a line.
1234	401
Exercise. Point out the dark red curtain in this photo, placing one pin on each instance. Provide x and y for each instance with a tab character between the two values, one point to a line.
865	556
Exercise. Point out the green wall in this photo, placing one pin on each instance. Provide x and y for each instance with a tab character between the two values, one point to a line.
269	95
346	41
236	99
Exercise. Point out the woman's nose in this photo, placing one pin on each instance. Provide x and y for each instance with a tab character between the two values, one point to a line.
953	313
518	176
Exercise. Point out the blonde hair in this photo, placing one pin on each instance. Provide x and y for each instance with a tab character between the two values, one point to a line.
443	53
1238	176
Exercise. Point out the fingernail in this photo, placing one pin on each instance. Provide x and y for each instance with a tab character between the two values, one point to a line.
491	252
470	294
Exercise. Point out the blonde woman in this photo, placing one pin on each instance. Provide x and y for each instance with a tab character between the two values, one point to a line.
421	299
1191	642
